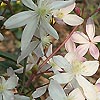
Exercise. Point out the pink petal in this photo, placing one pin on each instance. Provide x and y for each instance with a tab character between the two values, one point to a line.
70	46
96	39
90	28
79	37
94	51
82	49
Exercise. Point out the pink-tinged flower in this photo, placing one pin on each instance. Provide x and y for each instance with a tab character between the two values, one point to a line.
88	42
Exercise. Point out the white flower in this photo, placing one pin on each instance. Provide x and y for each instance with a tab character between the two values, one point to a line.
1	36
38	16
74	72
70	19
7	86
56	92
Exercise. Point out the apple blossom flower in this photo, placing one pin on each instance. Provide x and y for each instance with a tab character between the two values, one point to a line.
6	87
74	69
1	36
56	92
88	42
70	19
38	16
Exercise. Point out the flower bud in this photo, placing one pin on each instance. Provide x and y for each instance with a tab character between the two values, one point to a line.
77	11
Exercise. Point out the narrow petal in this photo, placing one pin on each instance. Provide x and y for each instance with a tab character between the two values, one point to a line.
70	46
20	97
87	87
63	78
1	17
49	52
68	9
89	68
90	28
1	37
96	39
28	50
19	19
8	95
94	51
72	19
76	95
82	49
29	3
39	92
12	82
49	29
60	4
28	33
62	62
56	92
2	80
79	37
98	81
0	96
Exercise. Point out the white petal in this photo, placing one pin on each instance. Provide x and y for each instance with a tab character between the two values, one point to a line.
60	4
76	95
10	71
56	92
12	82
89	68
49	52
49	29
62	62
28	50
0	96
72	19
96	39
90	28
29	3
1	37
20	97
8	95
94	51
2	80
48	98
68	9
1	17
87	87
98	81
82	49
63	78
39	92
28	33
19	19
79	37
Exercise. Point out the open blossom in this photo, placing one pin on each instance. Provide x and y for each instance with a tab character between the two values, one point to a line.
38	16
56	92
70	19
6	87
75	70
88	42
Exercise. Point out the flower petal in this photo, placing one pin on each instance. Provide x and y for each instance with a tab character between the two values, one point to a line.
28	33
82	49
29	3
90	28
0	96
49	29
1	37
89	68
1	17
19	19
72	19
56	92
63	78
28	50
76	95
49	52
96	39
87	87
94	51
12	82
60	4
62	62
39	92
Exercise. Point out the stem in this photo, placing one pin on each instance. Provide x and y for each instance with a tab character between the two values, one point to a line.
58	48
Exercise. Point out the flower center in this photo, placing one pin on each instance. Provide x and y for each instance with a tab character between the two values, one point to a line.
60	15
76	67
2	88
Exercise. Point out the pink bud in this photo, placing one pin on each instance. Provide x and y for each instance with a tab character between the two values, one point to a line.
77	11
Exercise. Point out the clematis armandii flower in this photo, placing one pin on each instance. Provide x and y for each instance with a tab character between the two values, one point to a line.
38	16
70	19
88	42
